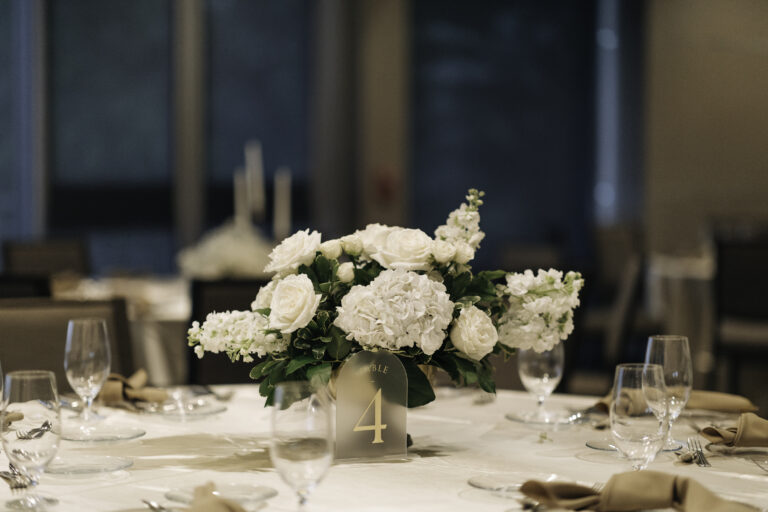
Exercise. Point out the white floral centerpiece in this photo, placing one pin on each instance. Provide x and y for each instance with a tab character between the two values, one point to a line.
396	289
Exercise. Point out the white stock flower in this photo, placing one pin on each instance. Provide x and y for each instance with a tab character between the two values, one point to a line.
464	253
397	309
462	225
296	250
540	312
331	249
401	248
264	296
443	251
238	333
473	333
346	272
294	303
352	244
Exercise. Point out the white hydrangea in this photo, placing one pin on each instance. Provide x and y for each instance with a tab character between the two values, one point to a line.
541	306
398	309
296	250
238	333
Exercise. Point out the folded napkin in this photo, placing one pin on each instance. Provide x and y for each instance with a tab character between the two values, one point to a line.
118	390
205	501
10	417
699	399
636	490
751	430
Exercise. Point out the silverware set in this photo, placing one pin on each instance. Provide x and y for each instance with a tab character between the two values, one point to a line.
694	445
35	433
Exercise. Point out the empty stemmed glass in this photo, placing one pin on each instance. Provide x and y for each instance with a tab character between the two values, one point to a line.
87	360
674	356
31	442
639	412
302	440
540	373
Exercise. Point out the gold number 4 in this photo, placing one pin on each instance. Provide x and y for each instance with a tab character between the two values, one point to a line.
377	427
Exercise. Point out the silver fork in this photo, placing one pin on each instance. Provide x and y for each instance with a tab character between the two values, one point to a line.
35	433
16	484
695	446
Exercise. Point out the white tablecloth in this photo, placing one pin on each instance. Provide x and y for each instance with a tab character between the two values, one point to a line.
454	440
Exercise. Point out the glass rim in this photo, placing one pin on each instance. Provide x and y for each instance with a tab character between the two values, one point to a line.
87	319
668	337
29	374
638	365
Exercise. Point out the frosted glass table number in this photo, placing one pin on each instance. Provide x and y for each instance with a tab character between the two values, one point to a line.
371	402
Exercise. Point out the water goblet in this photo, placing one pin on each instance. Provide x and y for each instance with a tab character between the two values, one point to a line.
540	373
33	394
301	446
87	361
639	412
674	356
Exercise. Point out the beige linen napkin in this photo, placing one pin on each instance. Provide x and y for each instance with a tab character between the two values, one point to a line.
635	490
206	501
118	390
699	399
751	430
10	417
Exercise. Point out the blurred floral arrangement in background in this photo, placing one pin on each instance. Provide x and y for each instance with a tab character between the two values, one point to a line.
396	289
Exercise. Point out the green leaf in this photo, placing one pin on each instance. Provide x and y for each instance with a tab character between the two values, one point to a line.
459	285
339	346
277	374
325	287
297	363
303	269
263	311
362	277
492	275
318	352
420	391
260	369
323	267
320	373
265	389
485	379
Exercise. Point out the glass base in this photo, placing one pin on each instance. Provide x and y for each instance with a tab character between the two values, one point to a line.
75	464
549	418
99	432
496	483
31	502
607	445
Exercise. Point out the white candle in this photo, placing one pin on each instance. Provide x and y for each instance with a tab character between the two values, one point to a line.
242	213
254	175
282	217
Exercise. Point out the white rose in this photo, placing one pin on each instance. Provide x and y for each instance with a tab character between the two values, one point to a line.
352	245
331	249
464	252
346	272
473	333
294	303
372	238
443	251
407	249
296	250
264	297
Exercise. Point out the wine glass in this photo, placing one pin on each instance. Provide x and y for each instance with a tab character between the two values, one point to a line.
31	443
87	360
639	412
302	441
674	355
540	373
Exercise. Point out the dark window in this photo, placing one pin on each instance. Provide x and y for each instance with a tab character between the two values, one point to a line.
503	101
110	158
258	65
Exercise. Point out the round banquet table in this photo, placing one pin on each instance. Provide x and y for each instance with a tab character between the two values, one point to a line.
454	439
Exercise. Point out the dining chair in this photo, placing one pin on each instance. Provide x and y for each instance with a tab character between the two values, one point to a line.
33	333
14	286
220	295
46	257
741	325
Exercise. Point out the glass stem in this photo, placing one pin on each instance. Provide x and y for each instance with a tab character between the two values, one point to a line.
302	503
88	409
540	406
